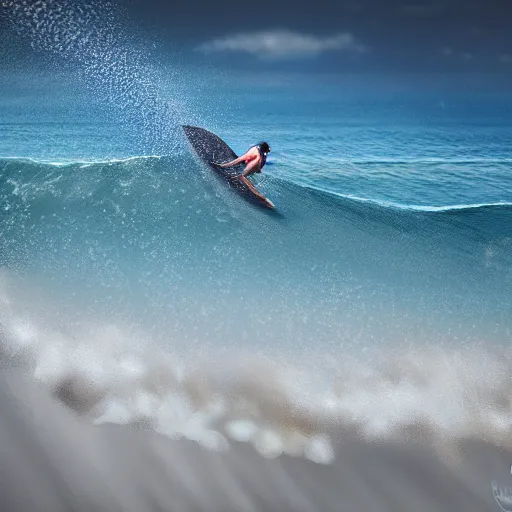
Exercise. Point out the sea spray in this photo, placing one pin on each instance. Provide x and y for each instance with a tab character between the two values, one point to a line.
89	39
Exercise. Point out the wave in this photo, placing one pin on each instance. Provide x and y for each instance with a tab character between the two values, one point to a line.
162	240
380	202
180	230
412	207
431	160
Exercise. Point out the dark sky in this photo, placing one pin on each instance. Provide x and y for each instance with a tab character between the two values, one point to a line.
387	35
378	36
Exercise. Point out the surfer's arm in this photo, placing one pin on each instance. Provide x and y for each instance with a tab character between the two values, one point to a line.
234	162
247	157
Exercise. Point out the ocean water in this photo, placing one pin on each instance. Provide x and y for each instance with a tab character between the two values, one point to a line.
366	323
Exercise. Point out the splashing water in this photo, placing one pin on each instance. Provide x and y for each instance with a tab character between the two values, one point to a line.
89	38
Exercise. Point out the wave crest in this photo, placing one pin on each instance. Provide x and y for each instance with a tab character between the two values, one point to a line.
173	162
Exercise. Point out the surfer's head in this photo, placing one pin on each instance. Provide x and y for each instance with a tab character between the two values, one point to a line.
265	147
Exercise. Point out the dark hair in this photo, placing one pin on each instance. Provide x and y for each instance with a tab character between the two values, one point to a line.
264	147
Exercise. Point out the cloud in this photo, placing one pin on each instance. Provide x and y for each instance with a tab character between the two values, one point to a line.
282	44
505	58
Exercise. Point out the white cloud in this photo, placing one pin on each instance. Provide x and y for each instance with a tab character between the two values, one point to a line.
282	44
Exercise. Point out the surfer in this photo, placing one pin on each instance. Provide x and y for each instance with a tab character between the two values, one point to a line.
255	159
206	144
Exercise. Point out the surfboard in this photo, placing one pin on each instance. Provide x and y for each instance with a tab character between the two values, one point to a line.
210	148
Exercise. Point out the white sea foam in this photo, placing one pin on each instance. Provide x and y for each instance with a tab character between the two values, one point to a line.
289	403
83	162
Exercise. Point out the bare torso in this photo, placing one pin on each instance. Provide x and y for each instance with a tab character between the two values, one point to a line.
253	160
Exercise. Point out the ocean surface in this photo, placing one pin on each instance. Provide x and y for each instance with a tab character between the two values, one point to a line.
165	345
